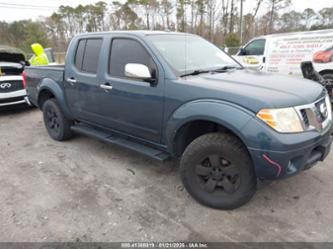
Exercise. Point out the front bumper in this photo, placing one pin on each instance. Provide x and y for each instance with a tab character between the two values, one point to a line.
14	98
278	156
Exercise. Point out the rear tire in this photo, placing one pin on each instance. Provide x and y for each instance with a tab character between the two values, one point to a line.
217	171
57	125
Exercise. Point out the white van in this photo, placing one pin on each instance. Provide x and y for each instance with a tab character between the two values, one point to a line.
283	53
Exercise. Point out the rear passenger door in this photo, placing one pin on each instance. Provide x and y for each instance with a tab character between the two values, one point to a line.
132	106
82	80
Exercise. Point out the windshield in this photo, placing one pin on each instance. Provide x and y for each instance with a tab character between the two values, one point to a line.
188	53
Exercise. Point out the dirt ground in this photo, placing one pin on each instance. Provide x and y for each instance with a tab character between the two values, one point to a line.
86	190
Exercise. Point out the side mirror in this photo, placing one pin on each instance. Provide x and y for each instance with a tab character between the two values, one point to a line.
138	71
242	51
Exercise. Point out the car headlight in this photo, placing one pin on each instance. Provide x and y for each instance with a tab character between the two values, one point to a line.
329	106
284	120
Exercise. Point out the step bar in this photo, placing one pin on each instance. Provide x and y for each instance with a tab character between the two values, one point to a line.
120	141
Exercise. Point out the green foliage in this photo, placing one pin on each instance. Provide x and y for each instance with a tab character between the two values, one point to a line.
22	34
215	20
232	40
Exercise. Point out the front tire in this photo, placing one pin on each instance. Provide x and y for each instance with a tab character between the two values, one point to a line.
57	125
217	171
329	78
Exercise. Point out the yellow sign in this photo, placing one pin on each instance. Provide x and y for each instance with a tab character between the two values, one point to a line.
1	73
250	60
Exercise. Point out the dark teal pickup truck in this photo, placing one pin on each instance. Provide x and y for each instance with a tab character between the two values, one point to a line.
176	95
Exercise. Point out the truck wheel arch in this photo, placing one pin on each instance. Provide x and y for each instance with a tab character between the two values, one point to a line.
49	89
326	71
43	96
183	130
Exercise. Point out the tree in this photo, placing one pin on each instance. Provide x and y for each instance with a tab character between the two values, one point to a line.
211	11
149	7
254	15
216	20
225	16
308	15
275	6
181	15
124	17
35	32
166	11
326	15
99	10
232	40
291	21
231	23
201	10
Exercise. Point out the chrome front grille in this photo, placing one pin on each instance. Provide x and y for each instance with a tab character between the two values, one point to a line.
304	117
316	116
321	110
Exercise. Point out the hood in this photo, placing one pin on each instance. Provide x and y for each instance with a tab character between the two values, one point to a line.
37	48
9	54
256	90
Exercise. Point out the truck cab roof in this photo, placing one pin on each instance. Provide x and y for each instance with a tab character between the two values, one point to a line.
134	33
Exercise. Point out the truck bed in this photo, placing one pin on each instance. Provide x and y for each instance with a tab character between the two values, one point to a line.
35	75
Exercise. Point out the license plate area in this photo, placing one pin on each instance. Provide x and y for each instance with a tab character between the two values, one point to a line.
10	86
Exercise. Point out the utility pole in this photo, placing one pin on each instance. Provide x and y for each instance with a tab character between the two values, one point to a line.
241	22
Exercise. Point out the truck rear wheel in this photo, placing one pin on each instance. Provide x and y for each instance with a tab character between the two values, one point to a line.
57	125
217	171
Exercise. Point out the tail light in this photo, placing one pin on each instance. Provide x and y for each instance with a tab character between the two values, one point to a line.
24	78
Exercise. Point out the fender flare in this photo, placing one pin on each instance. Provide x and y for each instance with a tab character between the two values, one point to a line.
53	87
326	71
226	114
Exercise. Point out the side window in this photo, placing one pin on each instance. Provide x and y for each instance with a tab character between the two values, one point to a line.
126	51
79	54
91	55
256	47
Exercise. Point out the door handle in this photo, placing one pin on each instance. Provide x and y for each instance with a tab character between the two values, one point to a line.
71	80
106	86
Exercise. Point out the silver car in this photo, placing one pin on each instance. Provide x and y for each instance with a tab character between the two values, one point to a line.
12	82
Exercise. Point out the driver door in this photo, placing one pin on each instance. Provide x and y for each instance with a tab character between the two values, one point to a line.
129	105
253	55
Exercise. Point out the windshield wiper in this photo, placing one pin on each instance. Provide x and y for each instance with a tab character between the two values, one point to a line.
195	72
224	68
217	70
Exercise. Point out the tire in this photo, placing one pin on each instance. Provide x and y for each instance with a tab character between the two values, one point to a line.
57	125
329	77
217	171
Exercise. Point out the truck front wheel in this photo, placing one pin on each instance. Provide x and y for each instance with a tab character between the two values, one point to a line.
57	125
217	171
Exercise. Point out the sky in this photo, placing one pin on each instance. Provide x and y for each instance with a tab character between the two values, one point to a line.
12	10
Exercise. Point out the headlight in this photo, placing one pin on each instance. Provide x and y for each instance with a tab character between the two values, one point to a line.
329	106
285	120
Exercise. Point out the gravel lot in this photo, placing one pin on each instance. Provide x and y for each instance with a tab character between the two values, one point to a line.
86	190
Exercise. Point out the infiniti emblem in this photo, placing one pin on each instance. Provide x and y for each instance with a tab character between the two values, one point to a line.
323	110
5	85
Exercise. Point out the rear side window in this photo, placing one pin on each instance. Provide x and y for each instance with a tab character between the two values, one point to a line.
256	47
87	55
126	51
79	54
